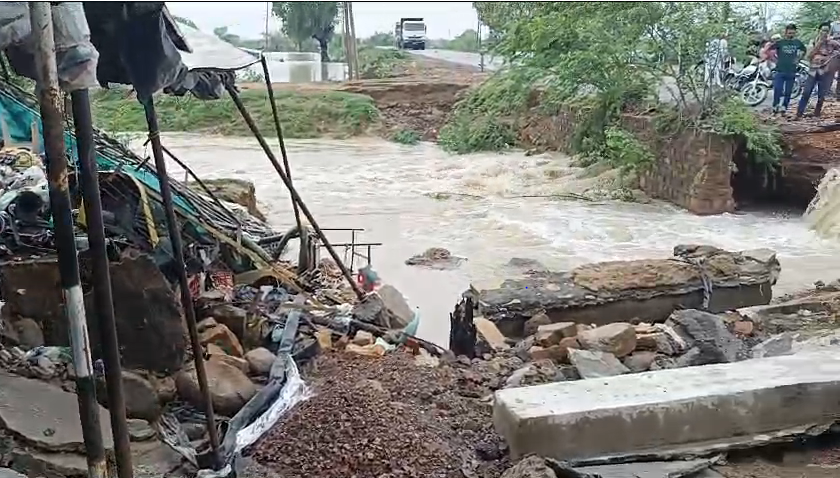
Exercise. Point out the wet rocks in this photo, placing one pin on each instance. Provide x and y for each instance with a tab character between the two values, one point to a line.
618	339
707	336
435	258
386	308
596	364
260	360
229	387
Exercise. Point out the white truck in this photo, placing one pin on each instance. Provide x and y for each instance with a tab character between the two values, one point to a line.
410	34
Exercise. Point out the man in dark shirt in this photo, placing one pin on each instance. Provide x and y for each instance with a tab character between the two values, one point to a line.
788	52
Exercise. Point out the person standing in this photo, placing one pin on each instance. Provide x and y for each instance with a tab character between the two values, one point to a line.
822	62
788	52
834	34
717	52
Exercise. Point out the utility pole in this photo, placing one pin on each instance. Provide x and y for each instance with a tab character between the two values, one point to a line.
353	38
480	50
49	101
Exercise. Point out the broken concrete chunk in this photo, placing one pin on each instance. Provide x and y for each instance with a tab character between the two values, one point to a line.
552	334
557	353
7	473
260	360
231	316
490	333
775	346
386	308
655	342
363	338
618	339
708	334
596	364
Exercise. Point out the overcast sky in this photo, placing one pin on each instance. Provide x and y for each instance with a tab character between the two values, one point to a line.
247	19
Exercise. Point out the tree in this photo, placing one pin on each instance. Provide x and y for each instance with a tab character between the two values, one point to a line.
222	33
810	14
305	20
185	21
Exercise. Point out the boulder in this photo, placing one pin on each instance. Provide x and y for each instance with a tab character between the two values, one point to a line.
223	337
140	430
232	317
29	334
596	364
239	363
363	338
229	387
618	339
386	308
640	290
530	467
655	342
165	388
435	258
552	334
557	353
260	360
141	397
708	335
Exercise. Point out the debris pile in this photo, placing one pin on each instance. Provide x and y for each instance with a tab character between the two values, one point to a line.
393	416
435	258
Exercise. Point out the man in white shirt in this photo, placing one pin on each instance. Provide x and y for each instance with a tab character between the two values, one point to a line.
717	51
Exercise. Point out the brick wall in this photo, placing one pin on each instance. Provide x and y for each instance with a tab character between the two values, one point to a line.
692	170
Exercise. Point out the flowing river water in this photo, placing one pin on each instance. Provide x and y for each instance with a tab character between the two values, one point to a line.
394	192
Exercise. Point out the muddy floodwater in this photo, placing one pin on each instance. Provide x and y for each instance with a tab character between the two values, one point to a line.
414	197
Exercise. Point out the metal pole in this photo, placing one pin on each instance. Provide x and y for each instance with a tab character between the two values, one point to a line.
279	130
183	283
103	299
49	100
295	196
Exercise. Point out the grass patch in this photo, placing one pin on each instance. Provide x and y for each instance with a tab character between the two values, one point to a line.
302	114
380	63
406	136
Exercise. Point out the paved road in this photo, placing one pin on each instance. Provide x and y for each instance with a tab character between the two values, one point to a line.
459	57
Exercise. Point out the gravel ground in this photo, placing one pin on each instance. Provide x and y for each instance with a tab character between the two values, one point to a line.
386	417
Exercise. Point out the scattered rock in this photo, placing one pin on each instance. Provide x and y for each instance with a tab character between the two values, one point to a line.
516	377
261	359
231	316
655	342
566	372
596	364
193	430
29	333
425	359
386	308
436	258
490	333
552	334
370	350
141	397
523	347
661	362
743	327
363	338
205	324
223	337
165	388
140	430
230	389
7	473
237	362
558	353
618	339
530	467
640	361
324	338
533	324
776	345
708	334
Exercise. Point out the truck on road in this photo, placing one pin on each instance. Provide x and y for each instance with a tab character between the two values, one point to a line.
410	34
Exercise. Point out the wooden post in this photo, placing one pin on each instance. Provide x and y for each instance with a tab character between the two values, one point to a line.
353	40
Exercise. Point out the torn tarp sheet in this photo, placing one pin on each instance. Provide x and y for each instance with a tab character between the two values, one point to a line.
76	57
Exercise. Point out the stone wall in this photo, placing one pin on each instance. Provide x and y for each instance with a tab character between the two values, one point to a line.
692	170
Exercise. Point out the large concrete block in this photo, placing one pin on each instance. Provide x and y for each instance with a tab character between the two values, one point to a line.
670	409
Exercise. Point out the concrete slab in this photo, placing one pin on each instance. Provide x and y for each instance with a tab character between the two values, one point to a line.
44	415
657	469
649	413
